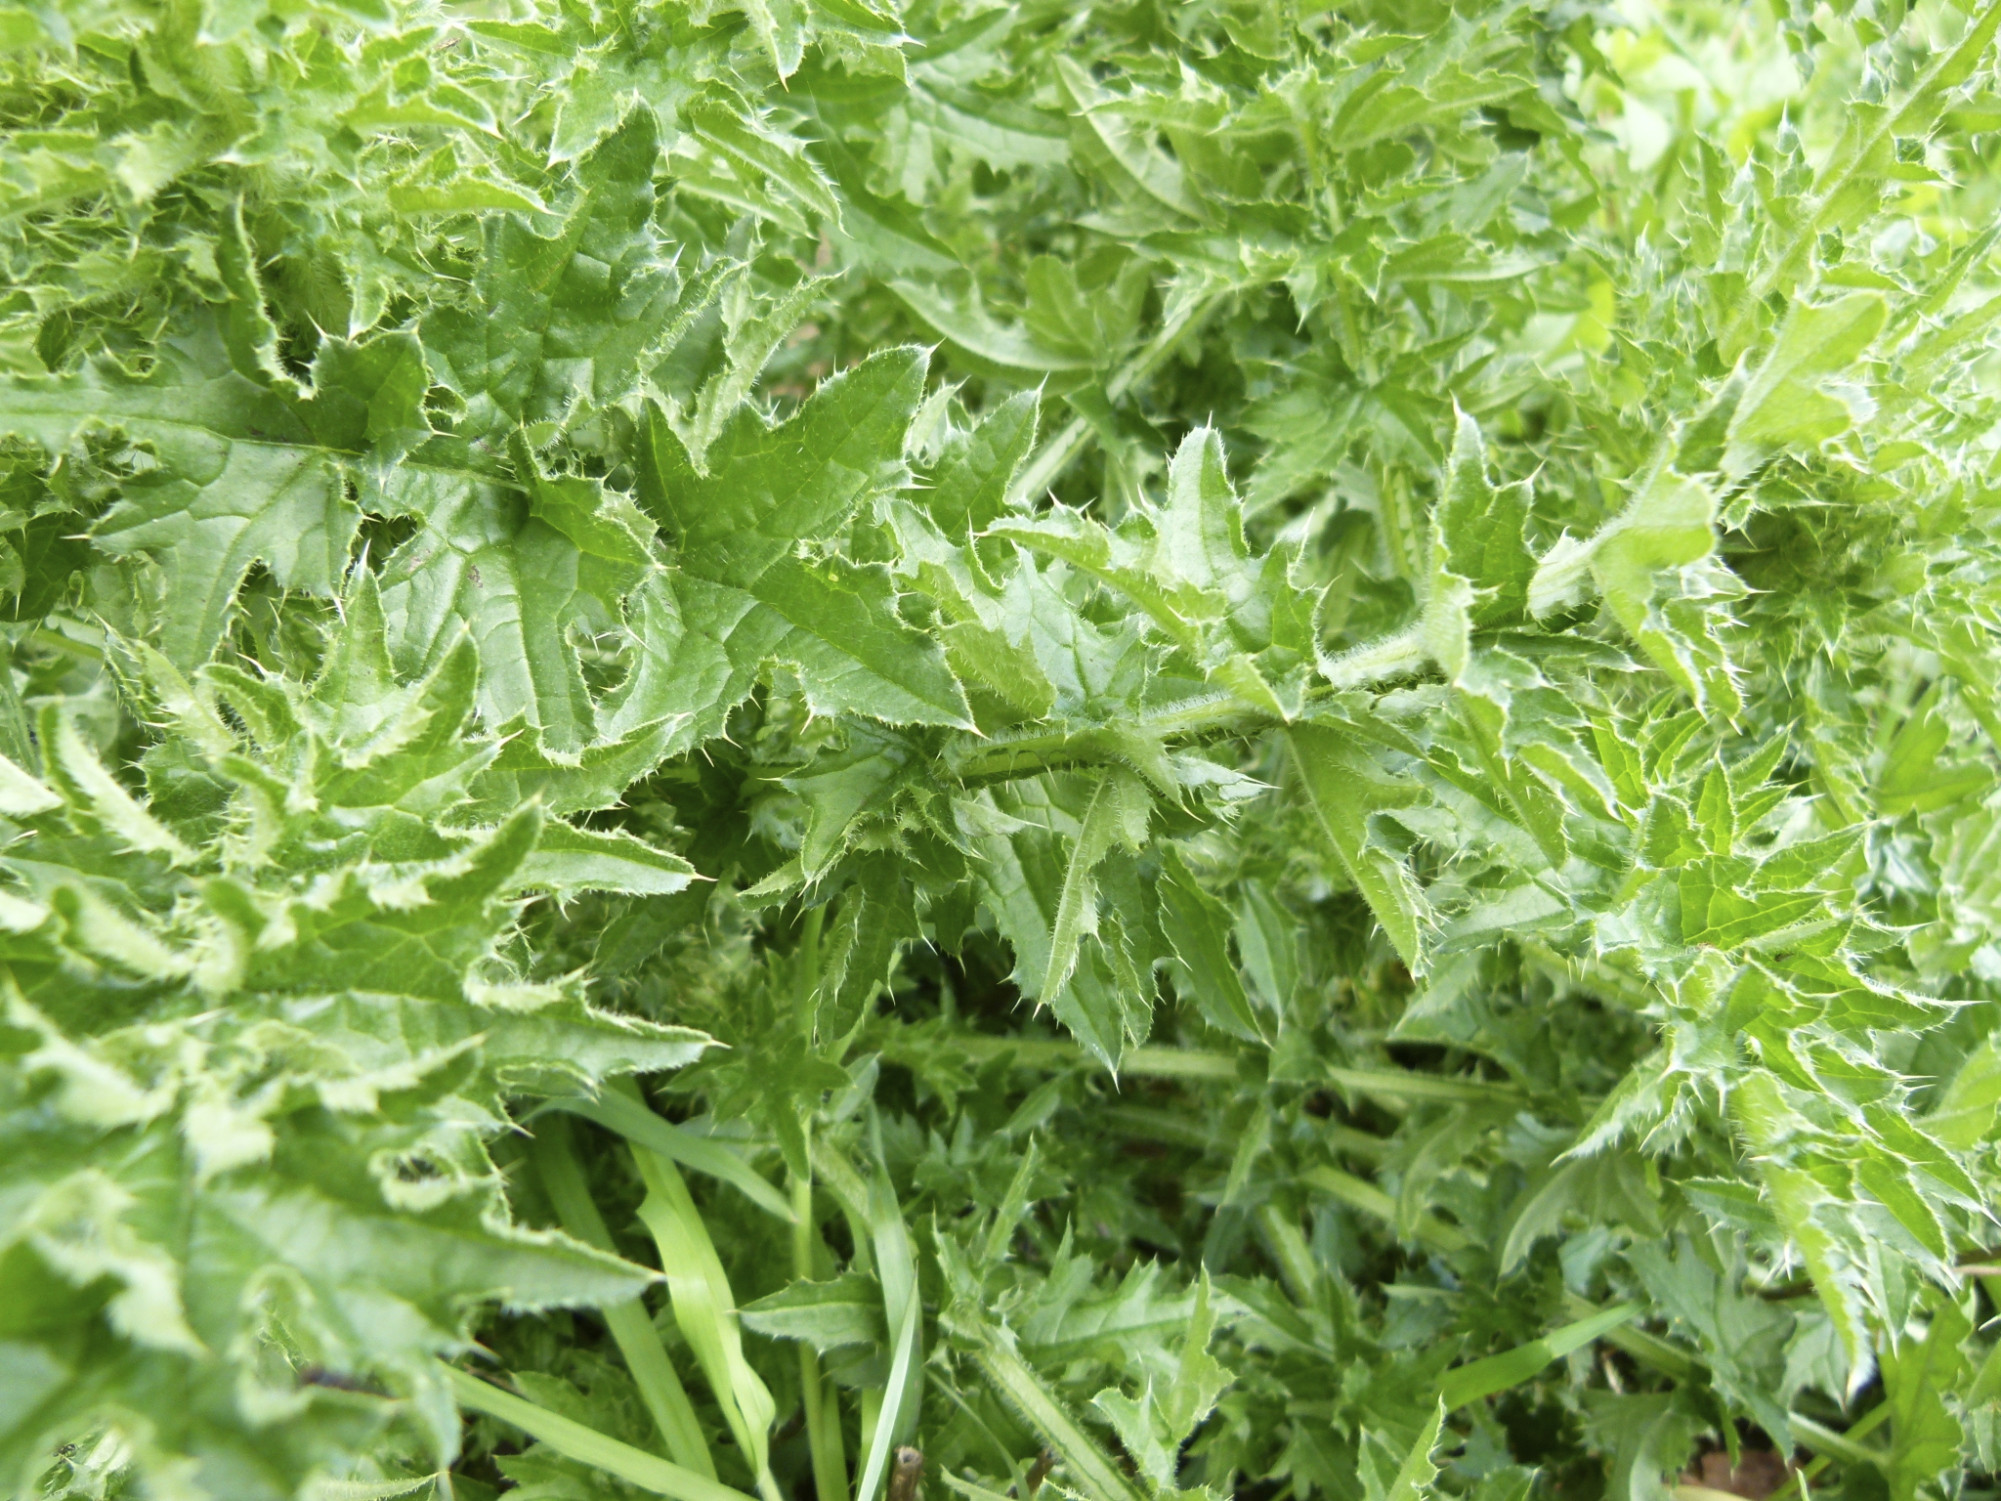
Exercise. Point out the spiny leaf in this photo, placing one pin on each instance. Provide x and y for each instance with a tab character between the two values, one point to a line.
1345	788
745	596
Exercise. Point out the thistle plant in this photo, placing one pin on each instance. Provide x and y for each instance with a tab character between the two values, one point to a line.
1112	750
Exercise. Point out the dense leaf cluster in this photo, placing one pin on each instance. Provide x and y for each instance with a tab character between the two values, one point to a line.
806	746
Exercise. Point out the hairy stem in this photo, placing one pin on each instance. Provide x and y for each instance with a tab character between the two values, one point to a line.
1204	716
1390	1085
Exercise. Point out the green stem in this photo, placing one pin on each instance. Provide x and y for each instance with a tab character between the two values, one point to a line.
823	1413
574	1440
1840	1448
1091	1469
819	1403
1024	753
1151	1123
1040	472
1052	1053
1295	1260
870	1409
1395	1086
1014	754
809	969
1395	655
1359	1193
1649	1350
1868	1423
1363	1144
631	1328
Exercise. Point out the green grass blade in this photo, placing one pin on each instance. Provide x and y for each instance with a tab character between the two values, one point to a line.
586	1445
705	1310
883	1440
631	1328
632	1120
820	1402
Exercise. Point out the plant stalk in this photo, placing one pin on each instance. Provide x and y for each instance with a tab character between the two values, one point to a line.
822	1405
809	972
1868	1423
1386	1084
1060	451
1204	716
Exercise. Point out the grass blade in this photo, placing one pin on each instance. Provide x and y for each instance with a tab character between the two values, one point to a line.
705	1309
631	1328
820	1402
884	1440
586	1445
632	1120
